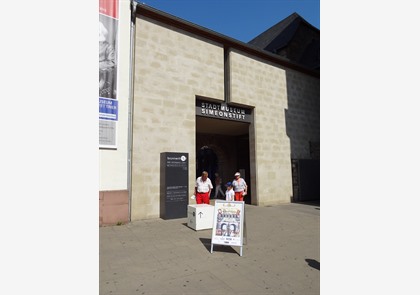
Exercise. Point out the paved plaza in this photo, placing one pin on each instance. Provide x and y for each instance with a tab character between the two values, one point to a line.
281	255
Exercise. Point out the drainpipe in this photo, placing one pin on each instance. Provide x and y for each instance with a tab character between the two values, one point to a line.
131	105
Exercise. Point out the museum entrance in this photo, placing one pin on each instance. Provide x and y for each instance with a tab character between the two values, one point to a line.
222	148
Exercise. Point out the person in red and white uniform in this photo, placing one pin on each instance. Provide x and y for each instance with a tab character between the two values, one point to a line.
239	187
203	187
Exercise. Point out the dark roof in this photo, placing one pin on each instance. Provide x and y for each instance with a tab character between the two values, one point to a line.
267	37
280	36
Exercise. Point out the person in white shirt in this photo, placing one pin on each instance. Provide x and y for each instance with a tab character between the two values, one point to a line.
230	195
239	187
203	187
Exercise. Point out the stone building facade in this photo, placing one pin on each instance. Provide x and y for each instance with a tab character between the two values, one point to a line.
229	105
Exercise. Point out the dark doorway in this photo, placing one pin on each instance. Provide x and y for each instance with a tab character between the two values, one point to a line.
222	147
207	161
243	163
306	180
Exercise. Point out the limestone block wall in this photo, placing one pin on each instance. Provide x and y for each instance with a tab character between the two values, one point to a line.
262	85
171	68
303	113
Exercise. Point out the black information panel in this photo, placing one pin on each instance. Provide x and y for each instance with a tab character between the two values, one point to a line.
173	185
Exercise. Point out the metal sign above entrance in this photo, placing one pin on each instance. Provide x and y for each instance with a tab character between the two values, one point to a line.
221	110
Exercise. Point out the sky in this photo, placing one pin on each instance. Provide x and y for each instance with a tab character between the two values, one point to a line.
242	20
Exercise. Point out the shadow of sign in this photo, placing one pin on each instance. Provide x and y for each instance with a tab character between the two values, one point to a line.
219	248
313	263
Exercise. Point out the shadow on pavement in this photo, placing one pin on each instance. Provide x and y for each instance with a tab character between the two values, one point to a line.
312	203
216	247
313	263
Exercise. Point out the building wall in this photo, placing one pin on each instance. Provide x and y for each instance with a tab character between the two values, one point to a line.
113	190
302	113
171	68
262	85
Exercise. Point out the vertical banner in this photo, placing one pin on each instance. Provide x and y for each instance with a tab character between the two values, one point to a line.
108	103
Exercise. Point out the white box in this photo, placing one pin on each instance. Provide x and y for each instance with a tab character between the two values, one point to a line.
200	216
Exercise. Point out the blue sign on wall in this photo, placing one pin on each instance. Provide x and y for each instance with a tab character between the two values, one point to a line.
108	109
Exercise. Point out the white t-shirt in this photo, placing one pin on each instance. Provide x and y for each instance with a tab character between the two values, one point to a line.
230	195
203	186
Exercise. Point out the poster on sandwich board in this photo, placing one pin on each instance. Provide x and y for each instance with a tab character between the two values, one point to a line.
228	224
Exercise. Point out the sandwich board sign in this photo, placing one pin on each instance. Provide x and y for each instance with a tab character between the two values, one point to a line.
228	224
